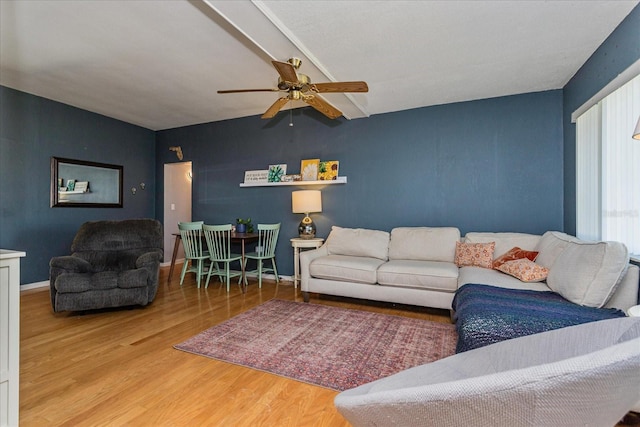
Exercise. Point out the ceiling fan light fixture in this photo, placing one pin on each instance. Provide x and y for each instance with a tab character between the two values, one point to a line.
300	87
296	62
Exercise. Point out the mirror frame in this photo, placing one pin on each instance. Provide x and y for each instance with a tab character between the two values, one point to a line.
114	184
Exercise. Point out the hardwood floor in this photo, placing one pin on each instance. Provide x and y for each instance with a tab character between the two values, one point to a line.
119	367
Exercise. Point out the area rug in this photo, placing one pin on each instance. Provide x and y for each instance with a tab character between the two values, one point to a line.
327	346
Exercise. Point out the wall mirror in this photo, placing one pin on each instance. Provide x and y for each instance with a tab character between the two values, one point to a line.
76	183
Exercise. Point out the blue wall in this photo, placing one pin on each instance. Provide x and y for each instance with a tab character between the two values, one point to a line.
32	130
488	165
620	50
504	164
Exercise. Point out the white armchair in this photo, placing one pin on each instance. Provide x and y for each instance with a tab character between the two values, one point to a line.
581	375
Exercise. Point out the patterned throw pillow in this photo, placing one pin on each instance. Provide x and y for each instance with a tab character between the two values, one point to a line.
513	254
525	270
475	254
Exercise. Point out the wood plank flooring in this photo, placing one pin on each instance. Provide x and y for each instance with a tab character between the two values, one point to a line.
119	367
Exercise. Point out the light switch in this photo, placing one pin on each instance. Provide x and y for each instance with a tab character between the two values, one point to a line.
173	206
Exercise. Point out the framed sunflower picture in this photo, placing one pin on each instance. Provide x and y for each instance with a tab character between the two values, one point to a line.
309	169
328	170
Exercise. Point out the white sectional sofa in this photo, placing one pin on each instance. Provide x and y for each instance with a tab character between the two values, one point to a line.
416	265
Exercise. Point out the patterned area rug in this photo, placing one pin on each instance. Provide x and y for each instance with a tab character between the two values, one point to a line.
326	346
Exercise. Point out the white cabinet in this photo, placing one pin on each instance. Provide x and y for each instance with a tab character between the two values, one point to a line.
9	336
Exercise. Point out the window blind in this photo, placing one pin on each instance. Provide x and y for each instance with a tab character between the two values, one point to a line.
608	169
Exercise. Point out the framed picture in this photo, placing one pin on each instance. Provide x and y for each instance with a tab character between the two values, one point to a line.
309	169
70	181
328	171
277	173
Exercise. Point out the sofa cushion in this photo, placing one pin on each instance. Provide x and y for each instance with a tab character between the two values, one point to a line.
345	268
504	241
434	275
492	277
525	270
514	254
478	254
551	245
424	243
82	282
358	242
133	278
587	273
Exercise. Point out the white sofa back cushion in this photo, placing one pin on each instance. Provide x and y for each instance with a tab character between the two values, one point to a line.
588	273
424	243
358	242
504	241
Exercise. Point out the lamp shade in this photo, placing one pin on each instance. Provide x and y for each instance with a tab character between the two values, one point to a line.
636	133
306	201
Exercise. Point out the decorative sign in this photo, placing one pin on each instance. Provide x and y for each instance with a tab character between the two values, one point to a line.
256	176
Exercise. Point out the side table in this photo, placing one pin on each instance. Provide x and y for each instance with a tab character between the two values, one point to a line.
299	244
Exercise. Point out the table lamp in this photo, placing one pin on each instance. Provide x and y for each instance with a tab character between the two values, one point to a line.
306	202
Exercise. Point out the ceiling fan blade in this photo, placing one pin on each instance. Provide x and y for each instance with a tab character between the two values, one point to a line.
323	106
249	90
286	71
273	110
341	87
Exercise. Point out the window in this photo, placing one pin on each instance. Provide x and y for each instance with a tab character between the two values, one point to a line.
608	169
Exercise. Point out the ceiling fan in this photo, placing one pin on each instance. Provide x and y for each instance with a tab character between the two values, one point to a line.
298	86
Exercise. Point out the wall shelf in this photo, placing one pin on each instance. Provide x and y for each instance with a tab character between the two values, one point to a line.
338	180
72	192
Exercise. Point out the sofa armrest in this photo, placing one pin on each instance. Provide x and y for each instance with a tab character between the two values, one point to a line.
70	264
148	259
62	265
305	260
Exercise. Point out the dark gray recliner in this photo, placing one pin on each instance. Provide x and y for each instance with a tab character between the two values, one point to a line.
113	264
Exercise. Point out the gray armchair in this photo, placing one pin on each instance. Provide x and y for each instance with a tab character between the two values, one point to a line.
581	375
112	264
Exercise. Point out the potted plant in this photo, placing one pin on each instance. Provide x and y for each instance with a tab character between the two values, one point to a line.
244	225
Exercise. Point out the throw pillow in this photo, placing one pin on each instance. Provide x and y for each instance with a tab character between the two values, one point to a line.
524	270
514	254
475	254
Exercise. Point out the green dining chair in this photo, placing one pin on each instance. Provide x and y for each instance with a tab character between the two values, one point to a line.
265	250
195	256
219	243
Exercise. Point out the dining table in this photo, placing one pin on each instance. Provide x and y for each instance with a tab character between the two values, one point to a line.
235	238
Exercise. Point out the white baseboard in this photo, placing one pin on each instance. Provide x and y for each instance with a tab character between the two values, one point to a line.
266	276
168	263
272	277
36	285
45	284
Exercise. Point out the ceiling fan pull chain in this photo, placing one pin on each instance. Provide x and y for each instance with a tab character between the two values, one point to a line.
290	113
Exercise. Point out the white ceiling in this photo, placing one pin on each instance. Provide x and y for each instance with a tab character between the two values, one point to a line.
158	64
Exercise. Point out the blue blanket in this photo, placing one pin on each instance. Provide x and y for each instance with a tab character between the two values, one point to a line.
488	314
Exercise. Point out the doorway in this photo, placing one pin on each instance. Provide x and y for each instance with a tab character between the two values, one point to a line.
177	204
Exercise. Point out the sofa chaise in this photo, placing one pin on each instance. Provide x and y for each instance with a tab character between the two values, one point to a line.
581	375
